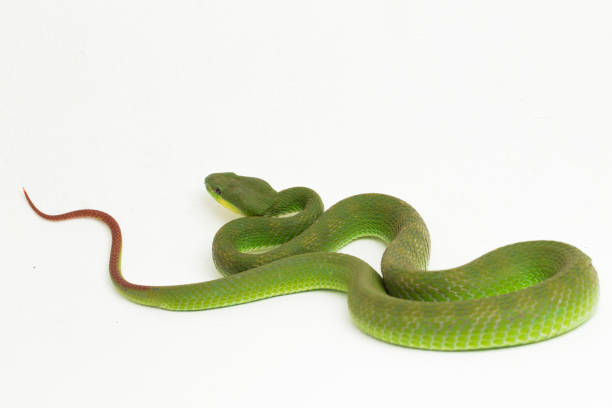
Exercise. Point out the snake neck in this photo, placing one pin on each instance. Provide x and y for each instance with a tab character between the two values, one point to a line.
289	213
367	215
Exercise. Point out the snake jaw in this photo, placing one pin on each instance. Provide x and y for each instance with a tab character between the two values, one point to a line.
227	204
223	201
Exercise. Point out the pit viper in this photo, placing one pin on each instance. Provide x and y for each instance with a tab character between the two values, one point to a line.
285	243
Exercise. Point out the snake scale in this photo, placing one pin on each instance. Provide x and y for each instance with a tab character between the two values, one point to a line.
286	243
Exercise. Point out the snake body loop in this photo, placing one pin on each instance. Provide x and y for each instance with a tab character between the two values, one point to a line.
516	294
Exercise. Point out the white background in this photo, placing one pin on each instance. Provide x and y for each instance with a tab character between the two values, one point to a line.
492	118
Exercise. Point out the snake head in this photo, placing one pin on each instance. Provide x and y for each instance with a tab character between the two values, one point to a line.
243	195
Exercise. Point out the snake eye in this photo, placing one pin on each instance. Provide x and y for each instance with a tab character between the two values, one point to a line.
218	191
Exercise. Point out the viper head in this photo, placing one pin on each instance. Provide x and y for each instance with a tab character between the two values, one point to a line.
244	195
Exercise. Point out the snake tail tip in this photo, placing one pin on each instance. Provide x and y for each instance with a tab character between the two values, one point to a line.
25	193
36	210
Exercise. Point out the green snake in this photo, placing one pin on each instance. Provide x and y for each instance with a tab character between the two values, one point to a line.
286	243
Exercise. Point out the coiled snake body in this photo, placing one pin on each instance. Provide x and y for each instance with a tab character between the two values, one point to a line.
520	293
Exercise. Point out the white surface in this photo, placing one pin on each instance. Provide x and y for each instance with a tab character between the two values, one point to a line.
491	118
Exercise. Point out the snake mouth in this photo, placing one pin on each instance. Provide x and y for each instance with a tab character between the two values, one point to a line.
222	200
